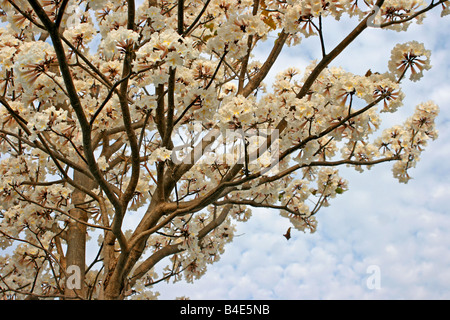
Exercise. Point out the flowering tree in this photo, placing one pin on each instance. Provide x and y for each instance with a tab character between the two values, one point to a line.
157	112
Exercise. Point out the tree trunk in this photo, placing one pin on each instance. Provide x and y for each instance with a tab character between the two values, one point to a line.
75	287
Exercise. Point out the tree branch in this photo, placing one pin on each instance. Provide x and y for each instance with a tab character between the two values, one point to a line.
145	266
330	129
197	19
326	60
259	77
180	26
431	6
60	14
246	58
76	104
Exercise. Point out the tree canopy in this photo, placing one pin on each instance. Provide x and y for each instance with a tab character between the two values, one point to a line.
158	111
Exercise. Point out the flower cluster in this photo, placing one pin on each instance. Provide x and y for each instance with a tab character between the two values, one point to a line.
237	110
160	154
119	40
445	9
33	60
409	56
393	11
408	141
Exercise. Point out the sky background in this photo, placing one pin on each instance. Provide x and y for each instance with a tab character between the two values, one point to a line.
403	230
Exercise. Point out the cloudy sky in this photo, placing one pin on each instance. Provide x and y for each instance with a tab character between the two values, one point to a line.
400	231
